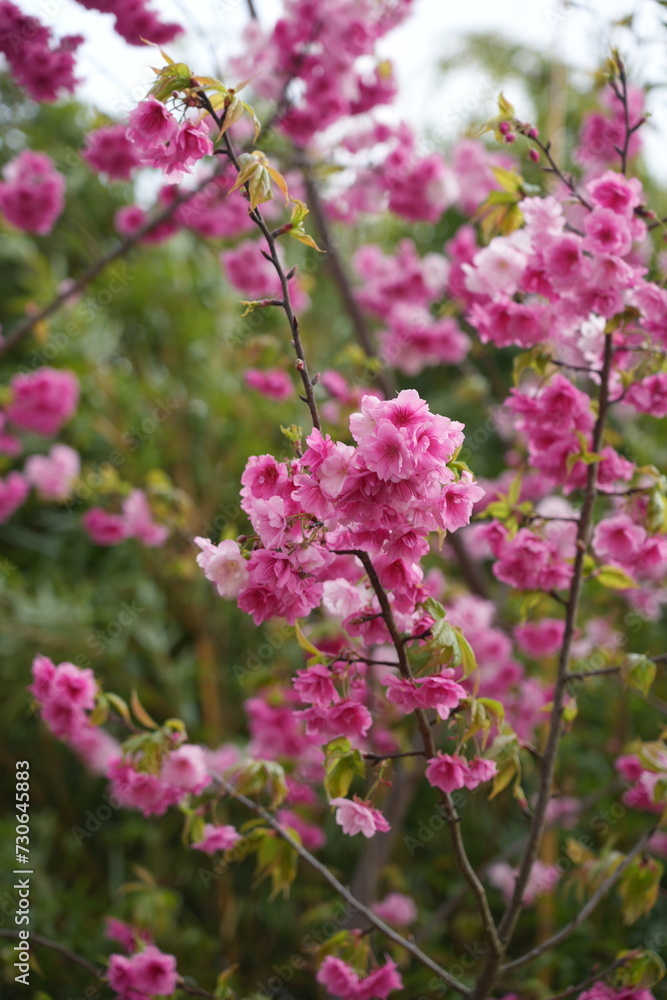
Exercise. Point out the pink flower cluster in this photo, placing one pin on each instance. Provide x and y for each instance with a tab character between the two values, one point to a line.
449	772
382	496
147	974
542	284
555	419
43	69
274	383
134	521
437	691
217	838
603	132
542	879
320	46
53	475
42	401
110	152
252	274
66	695
14	490
400	289
32	193
342	981
135	21
164	143
641	790
649	395
183	772
355	816
620	541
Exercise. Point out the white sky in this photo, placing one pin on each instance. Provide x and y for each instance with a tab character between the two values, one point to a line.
116	77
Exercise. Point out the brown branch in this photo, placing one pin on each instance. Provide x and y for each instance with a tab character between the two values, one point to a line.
379	924
61	949
100	265
582	675
513	911
451	814
258	219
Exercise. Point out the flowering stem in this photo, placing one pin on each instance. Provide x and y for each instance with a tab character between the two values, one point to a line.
343	891
100	265
553	168
513	911
286	303
451	814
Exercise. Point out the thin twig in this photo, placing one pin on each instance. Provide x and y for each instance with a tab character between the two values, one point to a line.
582	675
343	891
451	814
515	906
586	910
258	219
597	977
100	265
61	949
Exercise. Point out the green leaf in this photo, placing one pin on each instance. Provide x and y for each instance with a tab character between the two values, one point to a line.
468	659
342	765
434	609
615	578
305	643
638	672
638	887
140	713
262	775
494	709
534	359
642	971
121	706
277	859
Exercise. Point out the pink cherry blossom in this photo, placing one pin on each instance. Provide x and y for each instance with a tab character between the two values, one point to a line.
104	528
153	972
607	232
109	151
43	400
619	539
217	838
139	523
185	769
446	772
396	908
314	686
14	490
540	638
224	565
355	816
53	475
274	383
32	194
